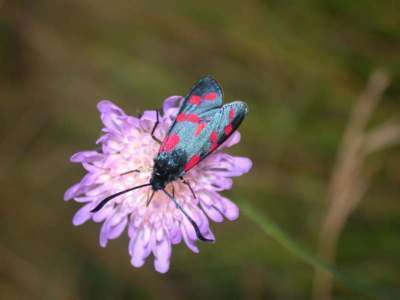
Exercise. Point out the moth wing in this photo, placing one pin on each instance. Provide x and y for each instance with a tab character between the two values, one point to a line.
205	95
218	125
202	123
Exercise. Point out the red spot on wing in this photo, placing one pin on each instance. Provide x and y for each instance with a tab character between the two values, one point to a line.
214	141
181	117
213	147
228	129
231	114
195	100
170	142
199	128
214	137
193	118
190	118
192	162
210	96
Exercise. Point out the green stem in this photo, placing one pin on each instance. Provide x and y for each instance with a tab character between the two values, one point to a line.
278	234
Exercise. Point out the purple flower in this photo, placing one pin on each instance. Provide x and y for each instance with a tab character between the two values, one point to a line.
127	145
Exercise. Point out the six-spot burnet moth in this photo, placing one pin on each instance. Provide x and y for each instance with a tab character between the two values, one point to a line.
201	126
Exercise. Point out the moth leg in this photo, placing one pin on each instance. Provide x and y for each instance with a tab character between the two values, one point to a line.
131	171
154	128
150	198
195	226
190	187
173	190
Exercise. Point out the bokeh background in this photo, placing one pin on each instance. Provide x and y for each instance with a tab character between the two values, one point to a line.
322	80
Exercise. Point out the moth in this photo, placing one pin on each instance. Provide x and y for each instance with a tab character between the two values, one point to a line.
202	124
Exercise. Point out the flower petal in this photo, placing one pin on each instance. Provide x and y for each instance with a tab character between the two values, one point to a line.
106	106
83	214
138	254
232	140
102	214
172	102
189	235
150	115
242	164
111	115
139	249
176	235
72	192
212	213
231	210
171	110
161	265
162	253
85	156
116	230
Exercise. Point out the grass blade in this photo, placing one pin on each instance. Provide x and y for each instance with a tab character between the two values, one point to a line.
274	231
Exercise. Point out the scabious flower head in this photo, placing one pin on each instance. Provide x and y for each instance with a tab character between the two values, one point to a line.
126	145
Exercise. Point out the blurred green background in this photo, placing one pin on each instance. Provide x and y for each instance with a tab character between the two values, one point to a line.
301	66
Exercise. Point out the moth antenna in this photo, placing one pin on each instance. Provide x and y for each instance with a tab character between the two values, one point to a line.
104	201
196	228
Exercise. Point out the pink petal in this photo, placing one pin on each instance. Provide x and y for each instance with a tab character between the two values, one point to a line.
172	103
72	192
161	265
150	115
85	156
232	140
138	253
205	197
140	249
97	191
243	164
83	199
189	235
220	183
231	210
102	214
107	107
116	230
163	249
131	122
146	124
104	234
89	179
175	235
111	115
205	227
82	215
212	213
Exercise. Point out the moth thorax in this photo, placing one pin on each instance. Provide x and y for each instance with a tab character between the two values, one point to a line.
168	166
